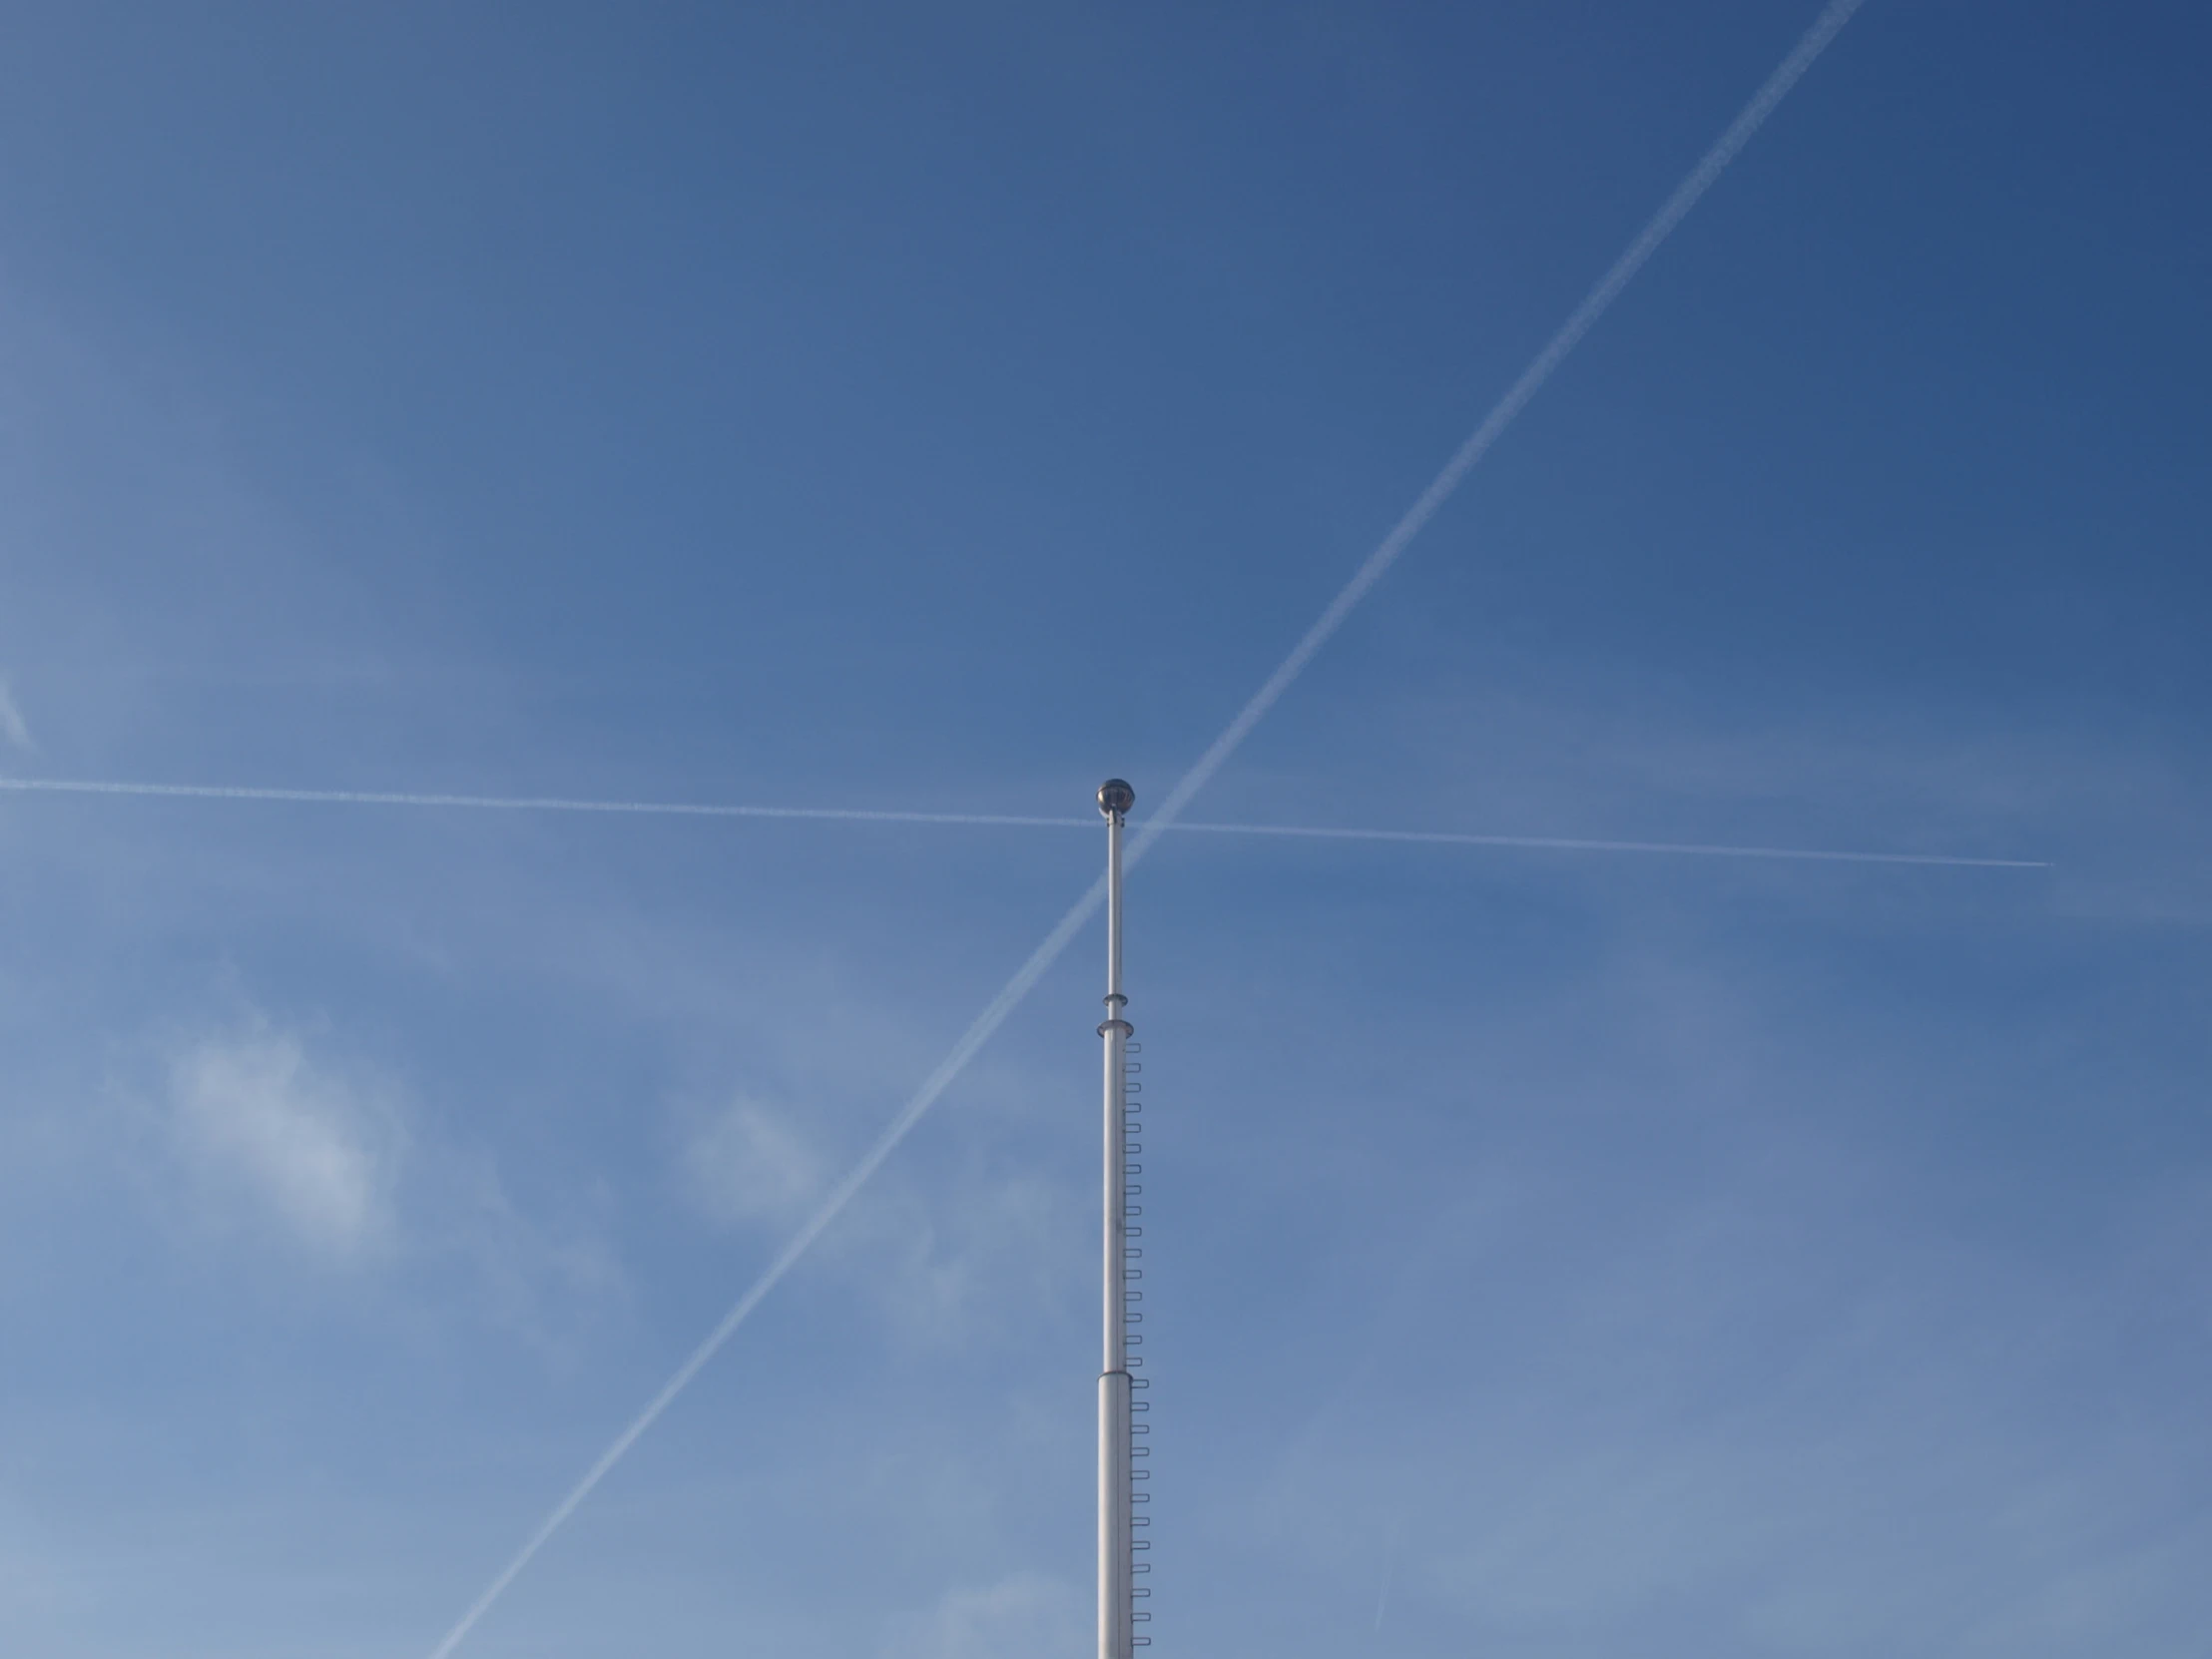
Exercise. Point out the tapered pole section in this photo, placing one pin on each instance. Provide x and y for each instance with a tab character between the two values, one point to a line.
1116	1581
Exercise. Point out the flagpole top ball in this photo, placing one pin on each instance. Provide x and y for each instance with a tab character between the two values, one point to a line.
1115	798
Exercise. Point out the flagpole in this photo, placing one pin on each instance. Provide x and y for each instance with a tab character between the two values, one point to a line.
1116	1581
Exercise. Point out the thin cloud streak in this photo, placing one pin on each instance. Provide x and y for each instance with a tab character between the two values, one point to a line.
1570	844
1389	1570
1739	132
514	803
1147	829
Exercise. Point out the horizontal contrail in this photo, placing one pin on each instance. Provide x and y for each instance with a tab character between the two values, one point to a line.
516	803
678	809
1739	132
1576	843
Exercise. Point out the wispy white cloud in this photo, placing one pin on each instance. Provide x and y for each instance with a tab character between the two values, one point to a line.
319	1151
1025	1616
942	1255
13	728
749	1164
272	1130
542	1276
1845	1437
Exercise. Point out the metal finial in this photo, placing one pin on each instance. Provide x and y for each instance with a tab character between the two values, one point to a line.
1115	798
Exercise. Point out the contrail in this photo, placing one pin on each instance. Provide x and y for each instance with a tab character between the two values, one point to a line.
1778	85
678	808
517	804
1569	844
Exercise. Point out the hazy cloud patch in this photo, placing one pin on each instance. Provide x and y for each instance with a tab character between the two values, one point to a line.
949	1249
1025	1616
748	1164
319	1151
13	729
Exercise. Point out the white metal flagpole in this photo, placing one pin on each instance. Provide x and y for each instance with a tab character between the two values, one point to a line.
1116	1570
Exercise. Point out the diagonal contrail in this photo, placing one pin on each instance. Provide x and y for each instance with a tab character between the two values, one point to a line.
680	808
1831	19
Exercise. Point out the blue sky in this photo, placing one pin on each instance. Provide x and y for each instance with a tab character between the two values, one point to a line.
1552	1254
